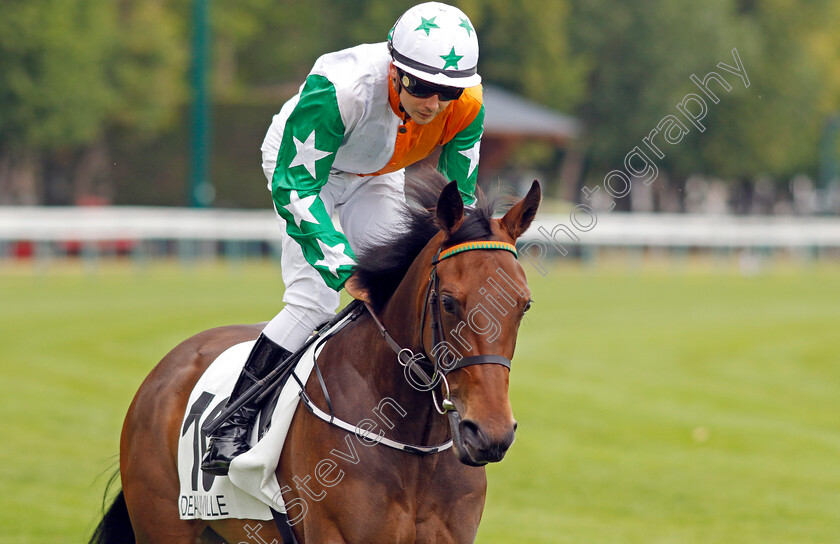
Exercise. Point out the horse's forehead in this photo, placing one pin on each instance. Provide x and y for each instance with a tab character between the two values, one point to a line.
475	270
480	268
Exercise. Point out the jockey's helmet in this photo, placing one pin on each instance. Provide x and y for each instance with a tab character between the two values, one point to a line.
436	43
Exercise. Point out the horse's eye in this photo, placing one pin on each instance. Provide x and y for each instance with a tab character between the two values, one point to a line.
527	306
449	304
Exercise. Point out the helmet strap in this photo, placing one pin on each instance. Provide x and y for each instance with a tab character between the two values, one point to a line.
397	86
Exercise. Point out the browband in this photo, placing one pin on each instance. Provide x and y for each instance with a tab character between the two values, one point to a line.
481	244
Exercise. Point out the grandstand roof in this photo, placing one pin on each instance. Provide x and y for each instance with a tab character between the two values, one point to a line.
508	114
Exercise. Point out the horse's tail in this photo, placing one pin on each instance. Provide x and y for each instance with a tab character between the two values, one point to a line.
115	527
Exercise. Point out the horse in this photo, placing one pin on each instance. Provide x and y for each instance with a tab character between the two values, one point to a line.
448	296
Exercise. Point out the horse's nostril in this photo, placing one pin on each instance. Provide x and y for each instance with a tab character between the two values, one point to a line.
515	425
481	448
471	433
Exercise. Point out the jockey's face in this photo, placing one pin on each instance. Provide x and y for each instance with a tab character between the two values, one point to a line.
421	110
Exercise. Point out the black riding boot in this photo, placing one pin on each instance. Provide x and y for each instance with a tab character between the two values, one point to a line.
231	438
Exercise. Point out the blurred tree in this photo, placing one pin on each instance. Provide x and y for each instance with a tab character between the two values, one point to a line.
261	42
69	71
525	48
524	45
271	46
641	55
773	128
146	65
80	79
265	48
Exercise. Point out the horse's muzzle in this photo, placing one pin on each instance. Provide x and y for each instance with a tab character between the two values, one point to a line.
473	446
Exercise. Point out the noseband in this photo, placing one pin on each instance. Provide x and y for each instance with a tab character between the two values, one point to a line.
420	362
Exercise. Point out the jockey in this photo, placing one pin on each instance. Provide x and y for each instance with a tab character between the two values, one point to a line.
341	144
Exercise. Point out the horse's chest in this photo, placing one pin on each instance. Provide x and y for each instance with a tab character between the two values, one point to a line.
442	506
383	504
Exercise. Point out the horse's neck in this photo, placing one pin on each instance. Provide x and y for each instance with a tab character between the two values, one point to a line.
404	309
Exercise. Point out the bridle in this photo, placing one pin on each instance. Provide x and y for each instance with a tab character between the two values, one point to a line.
409	360
418	364
414	364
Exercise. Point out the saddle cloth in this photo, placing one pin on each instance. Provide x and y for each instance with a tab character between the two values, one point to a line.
250	490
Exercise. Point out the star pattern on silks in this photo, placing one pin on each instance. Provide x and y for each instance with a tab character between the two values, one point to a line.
451	59
427	24
299	208
465	23
307	155
472	155
334	257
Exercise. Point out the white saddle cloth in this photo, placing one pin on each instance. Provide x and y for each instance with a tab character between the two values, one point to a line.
251	488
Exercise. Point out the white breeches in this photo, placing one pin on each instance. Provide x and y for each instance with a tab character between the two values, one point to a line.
367	209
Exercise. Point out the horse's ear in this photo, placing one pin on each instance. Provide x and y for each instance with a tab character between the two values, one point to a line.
450	208
517	220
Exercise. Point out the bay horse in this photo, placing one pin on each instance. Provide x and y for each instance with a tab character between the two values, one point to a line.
451	279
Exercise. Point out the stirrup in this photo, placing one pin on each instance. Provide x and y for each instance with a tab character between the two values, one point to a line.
224	449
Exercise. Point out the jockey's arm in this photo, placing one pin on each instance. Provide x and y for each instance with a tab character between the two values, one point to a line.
313	133
459	158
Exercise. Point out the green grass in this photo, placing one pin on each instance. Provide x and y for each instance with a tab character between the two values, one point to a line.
656	404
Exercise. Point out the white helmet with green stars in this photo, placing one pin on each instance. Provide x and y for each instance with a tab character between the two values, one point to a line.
436	43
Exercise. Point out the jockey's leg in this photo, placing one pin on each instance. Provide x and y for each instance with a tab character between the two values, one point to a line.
369	209
308	303
231	438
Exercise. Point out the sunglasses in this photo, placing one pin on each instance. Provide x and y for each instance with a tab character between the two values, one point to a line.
423	89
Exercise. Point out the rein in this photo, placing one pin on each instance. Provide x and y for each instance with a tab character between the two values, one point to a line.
330	418
414	362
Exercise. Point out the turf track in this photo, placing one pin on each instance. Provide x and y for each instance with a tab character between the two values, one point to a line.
659	404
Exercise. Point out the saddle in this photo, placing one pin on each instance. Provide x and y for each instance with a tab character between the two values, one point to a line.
251	490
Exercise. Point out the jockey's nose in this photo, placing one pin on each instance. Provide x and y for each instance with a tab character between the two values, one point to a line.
433	102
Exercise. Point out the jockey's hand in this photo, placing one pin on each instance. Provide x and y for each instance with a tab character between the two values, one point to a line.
354	288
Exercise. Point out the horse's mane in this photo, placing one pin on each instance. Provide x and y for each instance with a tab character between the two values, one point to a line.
383	264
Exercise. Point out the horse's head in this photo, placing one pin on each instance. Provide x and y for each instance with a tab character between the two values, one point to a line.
450	288
472	309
